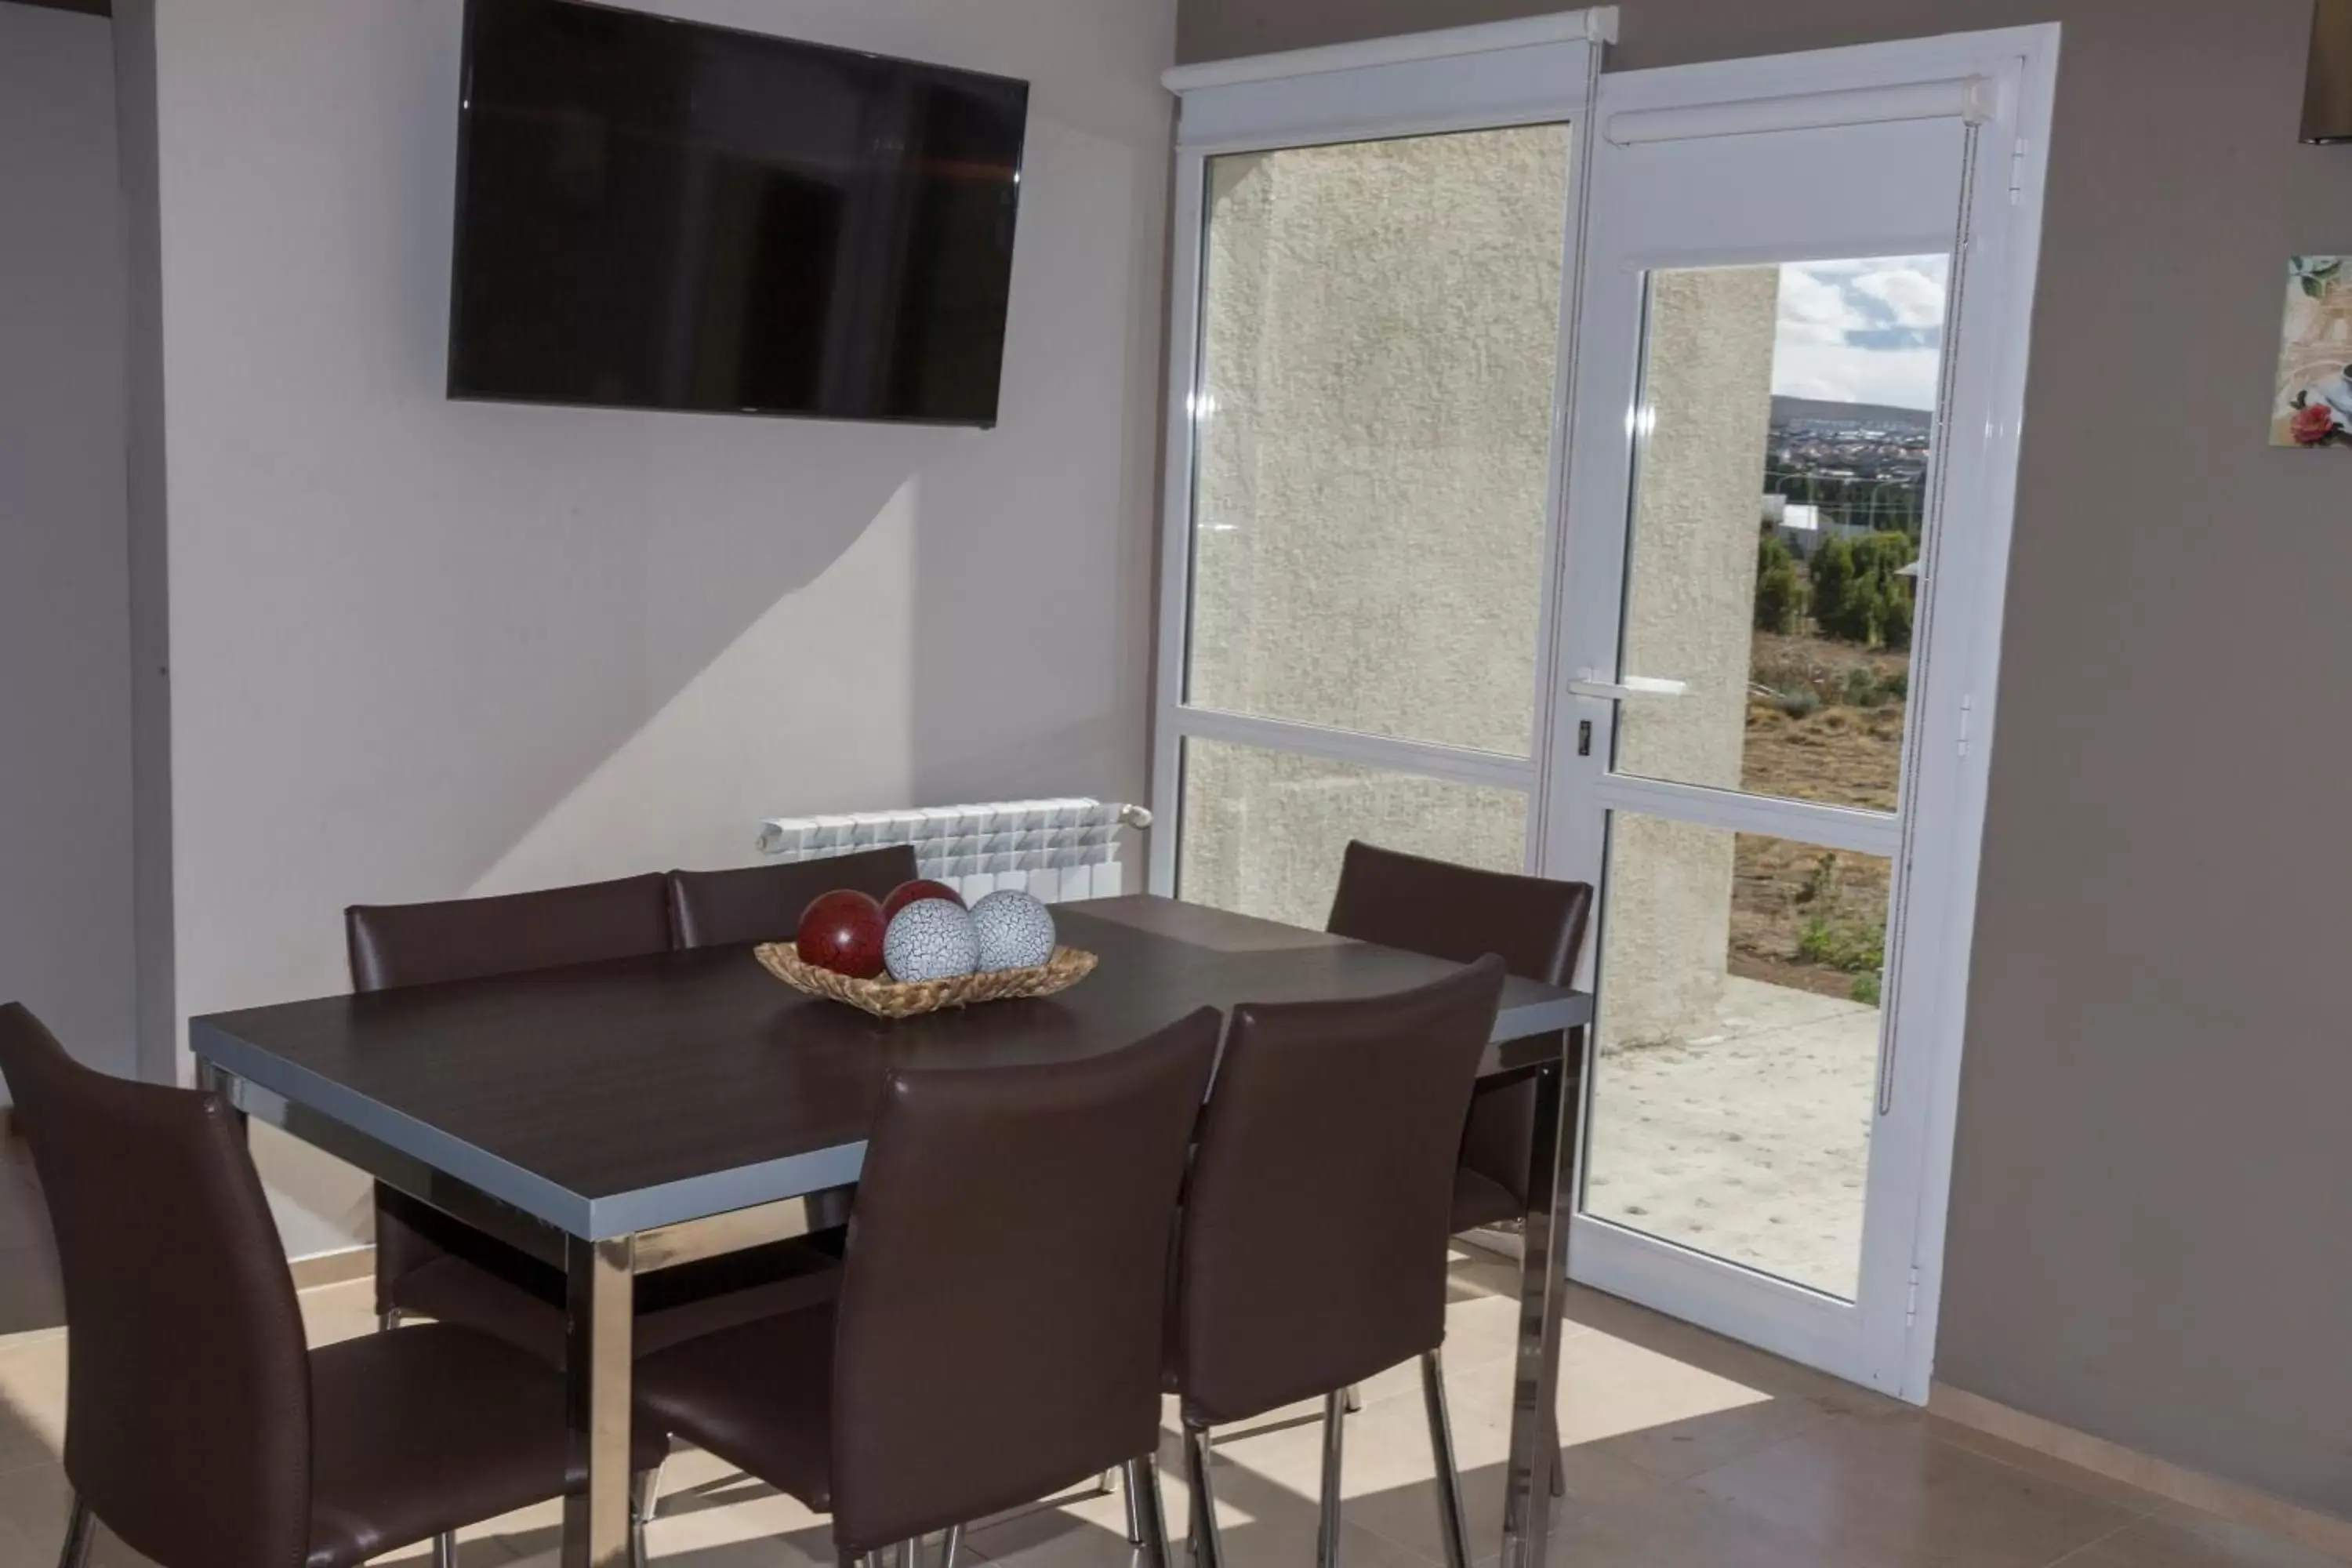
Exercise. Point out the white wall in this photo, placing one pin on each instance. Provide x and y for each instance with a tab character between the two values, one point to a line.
422	649
65	637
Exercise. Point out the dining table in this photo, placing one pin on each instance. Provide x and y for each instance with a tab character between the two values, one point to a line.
619	1118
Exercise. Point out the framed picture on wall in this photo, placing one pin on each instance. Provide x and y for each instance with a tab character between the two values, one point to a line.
2312	404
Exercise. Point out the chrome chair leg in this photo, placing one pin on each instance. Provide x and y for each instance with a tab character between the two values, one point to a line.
954	1549
1148	1519
1453	1525
1353	1399
387	1319
1208	1547
911	1552
644	1495
1135	1531
444	1550
79	1526
1335	1430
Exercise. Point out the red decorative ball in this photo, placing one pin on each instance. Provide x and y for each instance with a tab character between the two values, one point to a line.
843	932
907	893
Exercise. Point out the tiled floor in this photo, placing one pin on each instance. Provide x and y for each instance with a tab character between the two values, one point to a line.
1683	1451
29	1295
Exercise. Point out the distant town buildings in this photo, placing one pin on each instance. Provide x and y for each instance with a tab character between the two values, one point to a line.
1844	468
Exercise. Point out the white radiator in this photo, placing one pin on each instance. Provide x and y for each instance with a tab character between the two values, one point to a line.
1053	850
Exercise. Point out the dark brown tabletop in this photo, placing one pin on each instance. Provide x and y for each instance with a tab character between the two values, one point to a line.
611	1097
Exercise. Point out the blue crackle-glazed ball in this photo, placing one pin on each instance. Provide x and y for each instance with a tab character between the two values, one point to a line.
1015	932
931	939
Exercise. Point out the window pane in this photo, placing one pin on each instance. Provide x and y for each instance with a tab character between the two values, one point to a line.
1787	414
1380	325
1264	831
1738	1064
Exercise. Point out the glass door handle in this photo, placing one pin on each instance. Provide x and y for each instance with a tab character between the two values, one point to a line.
1631	686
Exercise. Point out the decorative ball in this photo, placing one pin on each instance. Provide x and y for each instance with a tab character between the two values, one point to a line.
907	893
1015	931
931	939
843	932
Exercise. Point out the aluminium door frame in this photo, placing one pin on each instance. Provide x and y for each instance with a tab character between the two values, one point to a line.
1953	719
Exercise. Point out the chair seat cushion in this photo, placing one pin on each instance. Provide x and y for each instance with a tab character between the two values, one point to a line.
759	1395
673	1304
434	1428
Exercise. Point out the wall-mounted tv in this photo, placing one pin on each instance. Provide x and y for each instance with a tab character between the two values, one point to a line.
654	213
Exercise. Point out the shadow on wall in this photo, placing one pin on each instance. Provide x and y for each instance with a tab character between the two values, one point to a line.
634	634
424	648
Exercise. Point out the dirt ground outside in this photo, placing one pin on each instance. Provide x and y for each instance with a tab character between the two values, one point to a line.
1825	723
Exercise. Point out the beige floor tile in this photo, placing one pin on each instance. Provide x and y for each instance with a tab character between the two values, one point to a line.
18	1551
2122	1494
32	1423
1684	1450
2196	1540
1677	1527
1673	1415
332	1313
1895	1494
35	1500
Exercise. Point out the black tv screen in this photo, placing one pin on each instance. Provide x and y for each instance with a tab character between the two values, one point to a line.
653	214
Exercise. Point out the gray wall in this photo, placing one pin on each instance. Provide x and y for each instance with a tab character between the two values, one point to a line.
66	946
2151	1227
424	648
151	682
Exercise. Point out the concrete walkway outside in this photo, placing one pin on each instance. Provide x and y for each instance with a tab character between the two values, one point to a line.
1751	1141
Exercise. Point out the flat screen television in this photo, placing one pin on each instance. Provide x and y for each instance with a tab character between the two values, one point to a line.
654	213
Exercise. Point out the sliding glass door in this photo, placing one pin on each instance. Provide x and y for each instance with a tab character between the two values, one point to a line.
1705	614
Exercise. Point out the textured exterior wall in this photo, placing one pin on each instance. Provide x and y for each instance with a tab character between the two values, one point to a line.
1689	609
1380	336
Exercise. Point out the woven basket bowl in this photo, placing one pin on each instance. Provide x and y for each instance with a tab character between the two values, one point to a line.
889	999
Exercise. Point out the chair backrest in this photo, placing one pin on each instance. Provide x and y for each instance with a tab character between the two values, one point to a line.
763	903
1315	1220
1445	910
188	1386
464	938
1006	1287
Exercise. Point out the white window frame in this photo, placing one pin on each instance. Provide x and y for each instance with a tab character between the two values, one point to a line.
1536	70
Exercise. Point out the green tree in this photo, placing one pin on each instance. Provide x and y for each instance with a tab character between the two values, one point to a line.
1880	558
1779	592
1833	578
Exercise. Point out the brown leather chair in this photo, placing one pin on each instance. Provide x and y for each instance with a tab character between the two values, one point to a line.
465	939
1313	1248
763	903
197	1426
1536	925
998	1335
431	1264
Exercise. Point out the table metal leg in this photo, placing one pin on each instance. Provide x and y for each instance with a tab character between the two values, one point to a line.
601	1309
1543	1291
216	1079
1208	1547
1143	1486
1335	1431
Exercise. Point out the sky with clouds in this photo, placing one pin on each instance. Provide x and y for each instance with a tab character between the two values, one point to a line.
1862	331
